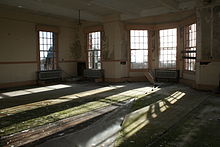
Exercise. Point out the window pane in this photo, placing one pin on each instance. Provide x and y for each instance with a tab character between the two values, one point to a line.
47	51
168	44
94	50
139	56
139	39
190	47
139	49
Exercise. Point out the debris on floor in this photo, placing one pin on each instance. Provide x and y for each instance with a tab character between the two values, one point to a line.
126	114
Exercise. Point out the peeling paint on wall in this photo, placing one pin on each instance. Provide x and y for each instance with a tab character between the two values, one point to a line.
106	53
124	45
75	47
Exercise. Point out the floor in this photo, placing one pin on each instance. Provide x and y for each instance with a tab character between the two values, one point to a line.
101	114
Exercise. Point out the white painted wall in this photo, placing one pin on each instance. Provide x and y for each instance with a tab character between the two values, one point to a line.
18	44
18	40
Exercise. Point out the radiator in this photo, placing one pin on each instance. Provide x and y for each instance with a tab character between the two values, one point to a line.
49	75
91	73
166	74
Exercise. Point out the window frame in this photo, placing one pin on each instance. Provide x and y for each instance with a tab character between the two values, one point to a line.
54	30
149	29
87	32
165	27
187	47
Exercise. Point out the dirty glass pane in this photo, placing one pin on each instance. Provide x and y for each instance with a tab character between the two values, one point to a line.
168	46
139	49
47	50
190	47
94	50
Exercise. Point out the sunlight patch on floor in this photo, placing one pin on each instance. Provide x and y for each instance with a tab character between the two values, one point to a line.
138	119
153	112
175	97
163	106
35	90
90	106
139	124
21	108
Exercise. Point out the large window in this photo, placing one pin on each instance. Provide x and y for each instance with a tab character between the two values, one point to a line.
94	50
190	48
139	49
47	48
168	45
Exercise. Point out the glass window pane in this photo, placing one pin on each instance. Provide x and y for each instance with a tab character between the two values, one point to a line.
190	45
139	49
94	47
168	44
47	51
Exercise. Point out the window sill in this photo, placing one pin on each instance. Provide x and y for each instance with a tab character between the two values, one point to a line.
163	68
138	70
189	72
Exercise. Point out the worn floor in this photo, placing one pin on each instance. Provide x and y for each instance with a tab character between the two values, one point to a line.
125	114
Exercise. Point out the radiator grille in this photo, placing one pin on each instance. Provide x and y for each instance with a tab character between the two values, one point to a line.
48	75
167	74
89	73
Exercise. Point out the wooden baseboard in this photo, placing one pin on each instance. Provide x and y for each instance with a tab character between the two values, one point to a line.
137	79
188	82
114	80
16	84
206	87
193	84
130	79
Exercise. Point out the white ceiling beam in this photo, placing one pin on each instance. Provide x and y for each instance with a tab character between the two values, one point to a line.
171	4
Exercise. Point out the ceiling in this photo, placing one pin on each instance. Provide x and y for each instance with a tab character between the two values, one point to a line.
96	10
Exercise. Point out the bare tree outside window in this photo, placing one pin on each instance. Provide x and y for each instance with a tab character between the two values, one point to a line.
47	50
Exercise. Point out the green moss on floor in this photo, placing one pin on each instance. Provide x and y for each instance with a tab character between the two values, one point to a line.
69	111
147	100
51	118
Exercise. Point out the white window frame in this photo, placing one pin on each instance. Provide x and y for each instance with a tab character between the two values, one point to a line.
139	47
94	52
168	48
189	56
